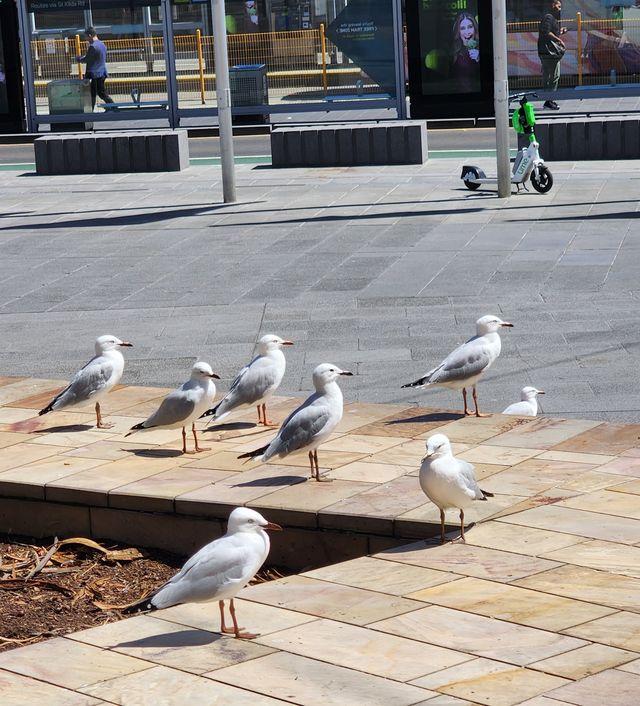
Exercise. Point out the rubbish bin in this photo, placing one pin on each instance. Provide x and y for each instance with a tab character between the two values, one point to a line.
69	96
248	84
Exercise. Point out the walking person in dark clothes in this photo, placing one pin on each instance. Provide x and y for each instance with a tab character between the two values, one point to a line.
96	61
551	49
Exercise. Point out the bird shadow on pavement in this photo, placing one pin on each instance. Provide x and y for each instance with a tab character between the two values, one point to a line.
65	428
232	426
424	418
271	481
155	453
184	638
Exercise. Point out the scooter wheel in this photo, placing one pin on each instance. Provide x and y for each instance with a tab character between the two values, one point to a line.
471	173
541	179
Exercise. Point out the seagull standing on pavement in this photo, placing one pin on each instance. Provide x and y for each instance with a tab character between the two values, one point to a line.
463	366
311	423
95	379
528	406
448	481
184	405
256	382
219	570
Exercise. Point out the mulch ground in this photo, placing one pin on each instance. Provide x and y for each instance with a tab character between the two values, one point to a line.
51	588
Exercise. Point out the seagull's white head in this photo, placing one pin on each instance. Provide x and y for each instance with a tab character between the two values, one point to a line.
243	519
271	342
326	373
490	324
202	371
108	343
530	393
438	445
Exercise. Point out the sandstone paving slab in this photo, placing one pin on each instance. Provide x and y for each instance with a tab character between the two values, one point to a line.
162	642
329	600
581	583
577	457
613	687
409	453
385	576
18	690
605	438
632	487
365	650
9	416
543	432
108	450
162	686
29	388
515	604
604	556
318	683
24	453
71	439
366	444
368	472
257	617
500	455
466	560
477	430
621	629
623	466
68	663
29	481
632	666
484	681
585	661
534	542
607	502
478	635
579	522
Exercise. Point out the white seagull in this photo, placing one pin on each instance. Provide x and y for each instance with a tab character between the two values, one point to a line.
95	379
311	423
448	481
256	382
464	365
219	570
184	405
528	406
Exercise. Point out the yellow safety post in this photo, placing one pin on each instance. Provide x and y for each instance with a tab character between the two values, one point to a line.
200	63
579	31
78	53
323	49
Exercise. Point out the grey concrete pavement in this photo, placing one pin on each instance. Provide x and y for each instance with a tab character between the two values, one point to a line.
382	270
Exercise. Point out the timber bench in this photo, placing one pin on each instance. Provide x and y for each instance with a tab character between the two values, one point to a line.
111	152
350	144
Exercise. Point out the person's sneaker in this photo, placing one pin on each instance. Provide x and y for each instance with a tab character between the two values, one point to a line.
552	105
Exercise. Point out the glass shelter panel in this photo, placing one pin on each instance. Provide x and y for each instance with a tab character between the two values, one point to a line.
132	34
284	54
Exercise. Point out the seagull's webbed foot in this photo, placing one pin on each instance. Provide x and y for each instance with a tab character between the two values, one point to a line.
100	424
315	469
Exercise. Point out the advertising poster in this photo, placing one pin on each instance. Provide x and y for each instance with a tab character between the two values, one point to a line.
450	39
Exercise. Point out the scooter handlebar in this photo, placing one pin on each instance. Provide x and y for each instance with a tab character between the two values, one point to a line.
517	96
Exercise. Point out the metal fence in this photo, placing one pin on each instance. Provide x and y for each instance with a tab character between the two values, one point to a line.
305	66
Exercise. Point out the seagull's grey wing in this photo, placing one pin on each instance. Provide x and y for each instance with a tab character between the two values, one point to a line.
174	408
300	429
205	574
87	382
467	472
466	361
250	385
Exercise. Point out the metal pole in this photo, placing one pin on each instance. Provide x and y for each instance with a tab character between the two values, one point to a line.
24	29
501	97
398	47
223	97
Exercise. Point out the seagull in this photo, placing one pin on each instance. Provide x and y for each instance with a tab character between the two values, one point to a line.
219	570
528	407
95	379
464	365
184	405
448	481
311	423
256	382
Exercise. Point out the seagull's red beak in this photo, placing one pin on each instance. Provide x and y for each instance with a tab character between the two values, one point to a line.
126	344
272	526
286	343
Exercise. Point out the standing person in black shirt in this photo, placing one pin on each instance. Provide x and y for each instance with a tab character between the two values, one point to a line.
551	49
